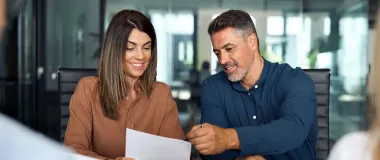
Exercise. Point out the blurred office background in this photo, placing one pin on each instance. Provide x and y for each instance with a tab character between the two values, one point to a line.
48	34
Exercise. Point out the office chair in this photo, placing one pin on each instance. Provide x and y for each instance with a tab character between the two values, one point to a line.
321	78
67	80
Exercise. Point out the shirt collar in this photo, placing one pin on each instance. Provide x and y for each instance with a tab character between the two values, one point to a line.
259	83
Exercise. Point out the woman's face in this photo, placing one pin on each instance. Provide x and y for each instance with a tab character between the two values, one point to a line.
138	53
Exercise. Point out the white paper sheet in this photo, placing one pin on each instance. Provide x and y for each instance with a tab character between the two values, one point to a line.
76	156
19	142
143	146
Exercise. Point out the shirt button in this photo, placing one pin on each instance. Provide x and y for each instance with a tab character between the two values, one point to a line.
256	86
254	117
249	93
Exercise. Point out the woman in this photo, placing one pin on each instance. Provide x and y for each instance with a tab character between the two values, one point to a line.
125	93
365	145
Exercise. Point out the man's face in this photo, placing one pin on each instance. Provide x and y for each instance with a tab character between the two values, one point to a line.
234	52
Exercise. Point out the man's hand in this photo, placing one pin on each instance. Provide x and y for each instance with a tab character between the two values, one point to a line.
210	139
251	158
255	158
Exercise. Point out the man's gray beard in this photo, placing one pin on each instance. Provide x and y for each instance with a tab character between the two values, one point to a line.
239	78
243	74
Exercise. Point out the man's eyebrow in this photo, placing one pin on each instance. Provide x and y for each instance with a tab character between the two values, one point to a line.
224	46
228	44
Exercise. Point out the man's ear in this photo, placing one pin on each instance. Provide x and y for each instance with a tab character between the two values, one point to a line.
252	41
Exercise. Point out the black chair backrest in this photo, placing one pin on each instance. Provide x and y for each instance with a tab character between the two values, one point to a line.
68	79
321	78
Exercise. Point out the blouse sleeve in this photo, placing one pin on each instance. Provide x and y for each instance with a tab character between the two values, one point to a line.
79	128
171	126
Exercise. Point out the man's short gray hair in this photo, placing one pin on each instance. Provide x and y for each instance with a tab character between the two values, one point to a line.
236	19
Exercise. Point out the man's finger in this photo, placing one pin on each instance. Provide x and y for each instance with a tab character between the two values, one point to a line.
200	140
193	129
205	124
260	158
196	127
251	158
197	133
205	152
199	126
255	158
203	146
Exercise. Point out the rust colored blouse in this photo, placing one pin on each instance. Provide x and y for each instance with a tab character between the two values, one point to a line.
90	133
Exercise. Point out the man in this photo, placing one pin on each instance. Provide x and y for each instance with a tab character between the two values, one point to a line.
254	107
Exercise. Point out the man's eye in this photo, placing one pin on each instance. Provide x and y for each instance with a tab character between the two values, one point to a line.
130	49
228	49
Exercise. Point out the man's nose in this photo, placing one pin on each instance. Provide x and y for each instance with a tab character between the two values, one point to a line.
223	58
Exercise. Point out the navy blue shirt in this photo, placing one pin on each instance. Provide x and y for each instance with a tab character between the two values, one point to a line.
276	118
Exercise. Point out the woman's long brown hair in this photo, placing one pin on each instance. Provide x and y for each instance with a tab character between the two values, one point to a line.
373	95
112	84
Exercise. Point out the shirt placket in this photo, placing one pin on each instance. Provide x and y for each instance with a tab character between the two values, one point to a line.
250	107
255	116
129	113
